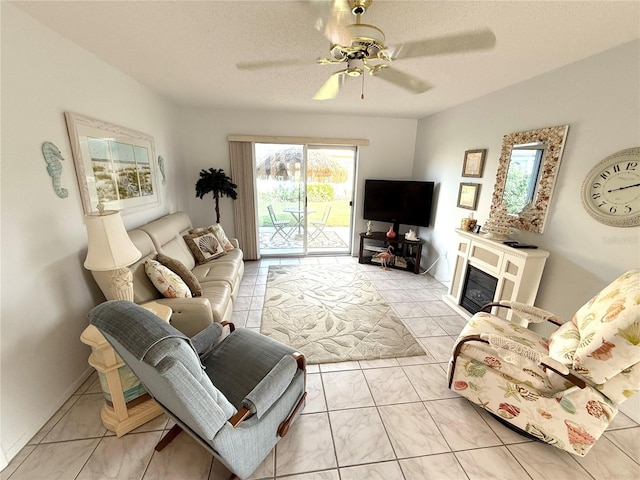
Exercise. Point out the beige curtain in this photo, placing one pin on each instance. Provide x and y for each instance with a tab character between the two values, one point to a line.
244	207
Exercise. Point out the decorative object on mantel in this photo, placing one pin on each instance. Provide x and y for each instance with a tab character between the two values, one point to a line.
468	195
54	158
497	227
391	233
473	164
468	224
161	167
110	250
529	165
215	182
611	190
114	165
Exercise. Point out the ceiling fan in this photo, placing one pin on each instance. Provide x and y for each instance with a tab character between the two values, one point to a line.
361	48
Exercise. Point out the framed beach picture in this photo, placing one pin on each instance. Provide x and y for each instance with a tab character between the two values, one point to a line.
114	165
468	195
473	163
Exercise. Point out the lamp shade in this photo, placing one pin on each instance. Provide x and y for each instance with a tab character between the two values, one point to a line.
109	246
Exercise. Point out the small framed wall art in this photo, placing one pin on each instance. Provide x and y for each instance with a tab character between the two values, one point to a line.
114	165
468	195
473	165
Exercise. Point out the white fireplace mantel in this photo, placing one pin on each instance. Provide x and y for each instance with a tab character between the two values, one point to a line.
518	271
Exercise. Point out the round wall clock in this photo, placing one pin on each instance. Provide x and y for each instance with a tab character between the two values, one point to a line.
611	190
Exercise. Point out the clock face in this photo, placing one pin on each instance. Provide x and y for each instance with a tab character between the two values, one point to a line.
611	190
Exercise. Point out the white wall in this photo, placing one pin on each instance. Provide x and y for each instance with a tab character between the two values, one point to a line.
600	100
46	292
204	135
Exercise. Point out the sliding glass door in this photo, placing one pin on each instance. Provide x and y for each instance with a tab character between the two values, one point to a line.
305	198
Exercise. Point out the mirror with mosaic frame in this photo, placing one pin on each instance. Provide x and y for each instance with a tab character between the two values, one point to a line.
527	171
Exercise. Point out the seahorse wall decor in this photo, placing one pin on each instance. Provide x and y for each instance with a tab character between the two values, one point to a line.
161	166
53	157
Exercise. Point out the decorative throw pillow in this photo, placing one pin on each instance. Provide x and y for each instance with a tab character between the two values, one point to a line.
221	236
185	274
168	283
204	246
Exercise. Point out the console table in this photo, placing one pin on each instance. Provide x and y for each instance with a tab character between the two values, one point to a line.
516	272
407	253
121	415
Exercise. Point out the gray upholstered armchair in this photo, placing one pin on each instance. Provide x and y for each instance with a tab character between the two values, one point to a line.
237	395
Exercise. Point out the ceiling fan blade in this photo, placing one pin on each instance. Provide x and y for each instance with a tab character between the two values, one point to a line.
403	80
273	64
331	87
331	22
461	42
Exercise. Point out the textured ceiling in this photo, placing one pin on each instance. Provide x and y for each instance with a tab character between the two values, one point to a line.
187	50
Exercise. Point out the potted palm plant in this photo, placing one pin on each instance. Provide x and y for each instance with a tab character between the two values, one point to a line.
216	182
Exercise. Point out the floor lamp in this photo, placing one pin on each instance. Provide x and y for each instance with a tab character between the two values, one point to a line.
110	250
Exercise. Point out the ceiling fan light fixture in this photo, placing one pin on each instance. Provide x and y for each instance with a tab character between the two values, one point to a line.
364	33
355	67
337	53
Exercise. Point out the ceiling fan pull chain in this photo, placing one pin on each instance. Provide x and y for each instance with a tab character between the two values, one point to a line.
362	94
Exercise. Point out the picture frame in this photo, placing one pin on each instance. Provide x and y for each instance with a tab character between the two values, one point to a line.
468	194
114	165
473	165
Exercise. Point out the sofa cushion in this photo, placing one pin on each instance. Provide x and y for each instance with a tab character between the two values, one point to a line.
168	283
218	231
204	246
609	326
183	272
226	268
166	234
563	343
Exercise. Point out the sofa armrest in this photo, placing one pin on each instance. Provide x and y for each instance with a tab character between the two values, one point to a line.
234	242
190	315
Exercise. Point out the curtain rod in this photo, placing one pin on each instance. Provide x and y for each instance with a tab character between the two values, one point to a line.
362	142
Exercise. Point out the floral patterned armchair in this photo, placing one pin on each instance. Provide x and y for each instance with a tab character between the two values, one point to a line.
564	390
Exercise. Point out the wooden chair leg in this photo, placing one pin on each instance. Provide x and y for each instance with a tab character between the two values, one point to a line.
169	437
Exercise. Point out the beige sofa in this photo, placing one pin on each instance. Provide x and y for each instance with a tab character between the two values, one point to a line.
220	278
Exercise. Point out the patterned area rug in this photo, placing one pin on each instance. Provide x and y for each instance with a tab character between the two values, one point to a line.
332	313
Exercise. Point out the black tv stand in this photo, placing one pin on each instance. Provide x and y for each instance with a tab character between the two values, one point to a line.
407	253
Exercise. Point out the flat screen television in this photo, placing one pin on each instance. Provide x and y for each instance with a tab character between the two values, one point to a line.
406	202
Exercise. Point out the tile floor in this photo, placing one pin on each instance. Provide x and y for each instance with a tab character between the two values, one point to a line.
385	419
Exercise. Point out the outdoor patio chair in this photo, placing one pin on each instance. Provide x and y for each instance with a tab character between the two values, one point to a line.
320	224
280	225
236	395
